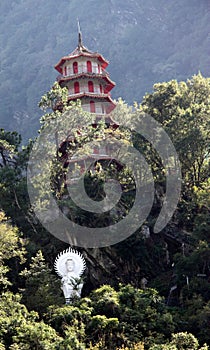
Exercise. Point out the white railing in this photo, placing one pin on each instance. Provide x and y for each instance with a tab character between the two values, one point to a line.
73	94
81	71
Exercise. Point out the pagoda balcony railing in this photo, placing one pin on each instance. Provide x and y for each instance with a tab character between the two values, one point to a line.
103	73
96	93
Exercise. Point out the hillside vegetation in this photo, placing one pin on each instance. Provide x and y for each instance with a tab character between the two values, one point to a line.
118	309
151	290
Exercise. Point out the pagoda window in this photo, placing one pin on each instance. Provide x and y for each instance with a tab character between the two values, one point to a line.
99	68
76	87
101	89
75	67
89	66
90	86
65	71
92	107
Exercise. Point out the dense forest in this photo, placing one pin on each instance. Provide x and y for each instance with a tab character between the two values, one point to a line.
118	310
151	290
145	41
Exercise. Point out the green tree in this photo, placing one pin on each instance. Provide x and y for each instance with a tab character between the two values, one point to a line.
9	144
136	315
12	249
13	187
183	110
202	219
184	340
71	322
20	329
42	288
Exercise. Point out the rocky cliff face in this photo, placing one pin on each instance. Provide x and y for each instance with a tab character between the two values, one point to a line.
131	261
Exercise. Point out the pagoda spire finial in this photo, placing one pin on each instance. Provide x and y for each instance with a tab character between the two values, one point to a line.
80	45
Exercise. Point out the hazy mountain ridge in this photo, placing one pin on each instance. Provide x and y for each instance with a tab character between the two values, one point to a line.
145	42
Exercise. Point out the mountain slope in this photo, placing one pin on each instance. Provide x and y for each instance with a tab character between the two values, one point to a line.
145	42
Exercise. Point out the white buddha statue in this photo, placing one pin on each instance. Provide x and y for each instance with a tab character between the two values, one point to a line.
70	265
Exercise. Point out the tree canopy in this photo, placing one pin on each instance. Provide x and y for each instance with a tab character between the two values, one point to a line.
117	310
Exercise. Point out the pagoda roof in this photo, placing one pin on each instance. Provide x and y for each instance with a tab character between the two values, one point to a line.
92	96
105	76
81	50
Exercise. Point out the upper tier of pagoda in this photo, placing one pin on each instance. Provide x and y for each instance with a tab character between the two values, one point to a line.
81	50
83	73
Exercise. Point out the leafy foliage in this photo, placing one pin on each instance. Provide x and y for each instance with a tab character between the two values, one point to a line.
183	110
176	262
11	248
41	288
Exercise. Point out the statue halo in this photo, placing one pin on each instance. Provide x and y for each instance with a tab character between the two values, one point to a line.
79	262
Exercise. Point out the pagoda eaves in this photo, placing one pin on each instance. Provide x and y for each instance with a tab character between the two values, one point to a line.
81	53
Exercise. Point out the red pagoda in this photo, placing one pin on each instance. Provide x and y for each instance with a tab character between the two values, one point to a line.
83	73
